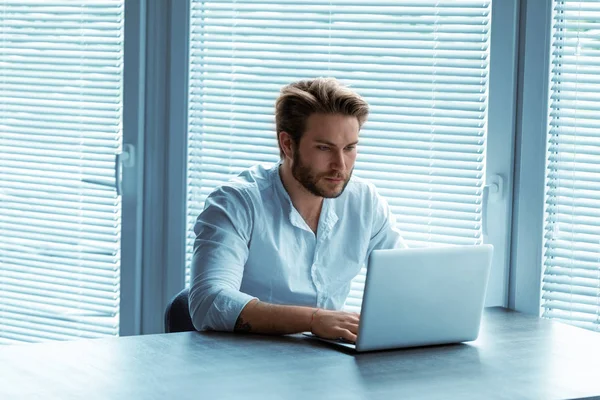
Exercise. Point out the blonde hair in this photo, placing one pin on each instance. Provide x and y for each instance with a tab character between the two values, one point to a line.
299	100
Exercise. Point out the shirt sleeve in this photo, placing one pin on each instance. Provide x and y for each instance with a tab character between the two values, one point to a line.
223	231
384	234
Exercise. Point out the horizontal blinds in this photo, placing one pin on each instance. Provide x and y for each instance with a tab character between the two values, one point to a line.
60	128
421	65
571	277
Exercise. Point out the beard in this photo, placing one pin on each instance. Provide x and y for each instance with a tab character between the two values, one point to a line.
314	182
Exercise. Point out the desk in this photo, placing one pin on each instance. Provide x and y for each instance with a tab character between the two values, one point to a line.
515	357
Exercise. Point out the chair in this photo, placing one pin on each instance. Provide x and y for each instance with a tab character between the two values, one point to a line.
177	314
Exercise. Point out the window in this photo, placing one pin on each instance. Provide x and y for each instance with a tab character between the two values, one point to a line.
571	274
60	128
422	66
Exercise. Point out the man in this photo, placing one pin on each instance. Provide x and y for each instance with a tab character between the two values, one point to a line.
276	249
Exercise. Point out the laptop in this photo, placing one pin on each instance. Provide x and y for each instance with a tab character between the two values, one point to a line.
422	296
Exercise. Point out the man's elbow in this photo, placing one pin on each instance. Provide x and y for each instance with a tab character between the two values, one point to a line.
200	301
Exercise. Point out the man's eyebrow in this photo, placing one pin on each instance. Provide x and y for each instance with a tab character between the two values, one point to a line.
333	144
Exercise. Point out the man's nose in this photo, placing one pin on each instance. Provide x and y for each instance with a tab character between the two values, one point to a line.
338	162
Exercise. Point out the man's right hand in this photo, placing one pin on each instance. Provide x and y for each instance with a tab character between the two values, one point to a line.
335	324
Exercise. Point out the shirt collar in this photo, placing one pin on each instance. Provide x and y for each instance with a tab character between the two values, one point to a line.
328	217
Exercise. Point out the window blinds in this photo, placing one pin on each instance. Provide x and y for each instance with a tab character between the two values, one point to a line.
571	277
421	65
60	128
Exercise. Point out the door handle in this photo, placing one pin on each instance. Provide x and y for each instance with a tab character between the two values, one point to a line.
493	191
126	158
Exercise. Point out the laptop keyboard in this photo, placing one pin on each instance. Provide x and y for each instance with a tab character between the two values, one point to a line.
342	340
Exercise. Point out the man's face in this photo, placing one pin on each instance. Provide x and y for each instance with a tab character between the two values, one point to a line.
324	159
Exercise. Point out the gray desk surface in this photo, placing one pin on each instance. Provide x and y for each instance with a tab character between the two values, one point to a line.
515	357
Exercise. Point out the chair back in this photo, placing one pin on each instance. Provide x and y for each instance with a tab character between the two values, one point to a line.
177	314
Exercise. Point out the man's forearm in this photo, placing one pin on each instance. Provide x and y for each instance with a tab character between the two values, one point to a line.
273	319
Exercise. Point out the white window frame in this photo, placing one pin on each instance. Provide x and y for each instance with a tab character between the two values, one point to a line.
500	143
133	178
530	157
154	192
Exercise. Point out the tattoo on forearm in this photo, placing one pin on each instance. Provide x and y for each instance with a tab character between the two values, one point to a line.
242	326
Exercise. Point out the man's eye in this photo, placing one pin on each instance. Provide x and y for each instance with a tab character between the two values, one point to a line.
350	148
323	148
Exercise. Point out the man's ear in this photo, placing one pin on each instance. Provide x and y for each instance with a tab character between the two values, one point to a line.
286	144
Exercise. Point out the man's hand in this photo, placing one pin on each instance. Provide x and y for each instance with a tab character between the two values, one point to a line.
335	324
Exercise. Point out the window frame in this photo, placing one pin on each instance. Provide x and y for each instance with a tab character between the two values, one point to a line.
501	138
530	157
155	124
132	185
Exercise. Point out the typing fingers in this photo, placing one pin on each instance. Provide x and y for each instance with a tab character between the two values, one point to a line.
348	335
353	317
352	327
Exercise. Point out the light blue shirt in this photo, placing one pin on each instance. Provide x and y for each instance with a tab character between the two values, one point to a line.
252	243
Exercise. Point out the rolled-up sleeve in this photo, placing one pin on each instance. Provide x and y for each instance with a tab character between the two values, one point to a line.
385	234
223	231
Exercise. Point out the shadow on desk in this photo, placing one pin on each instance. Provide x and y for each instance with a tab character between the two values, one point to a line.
419	365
